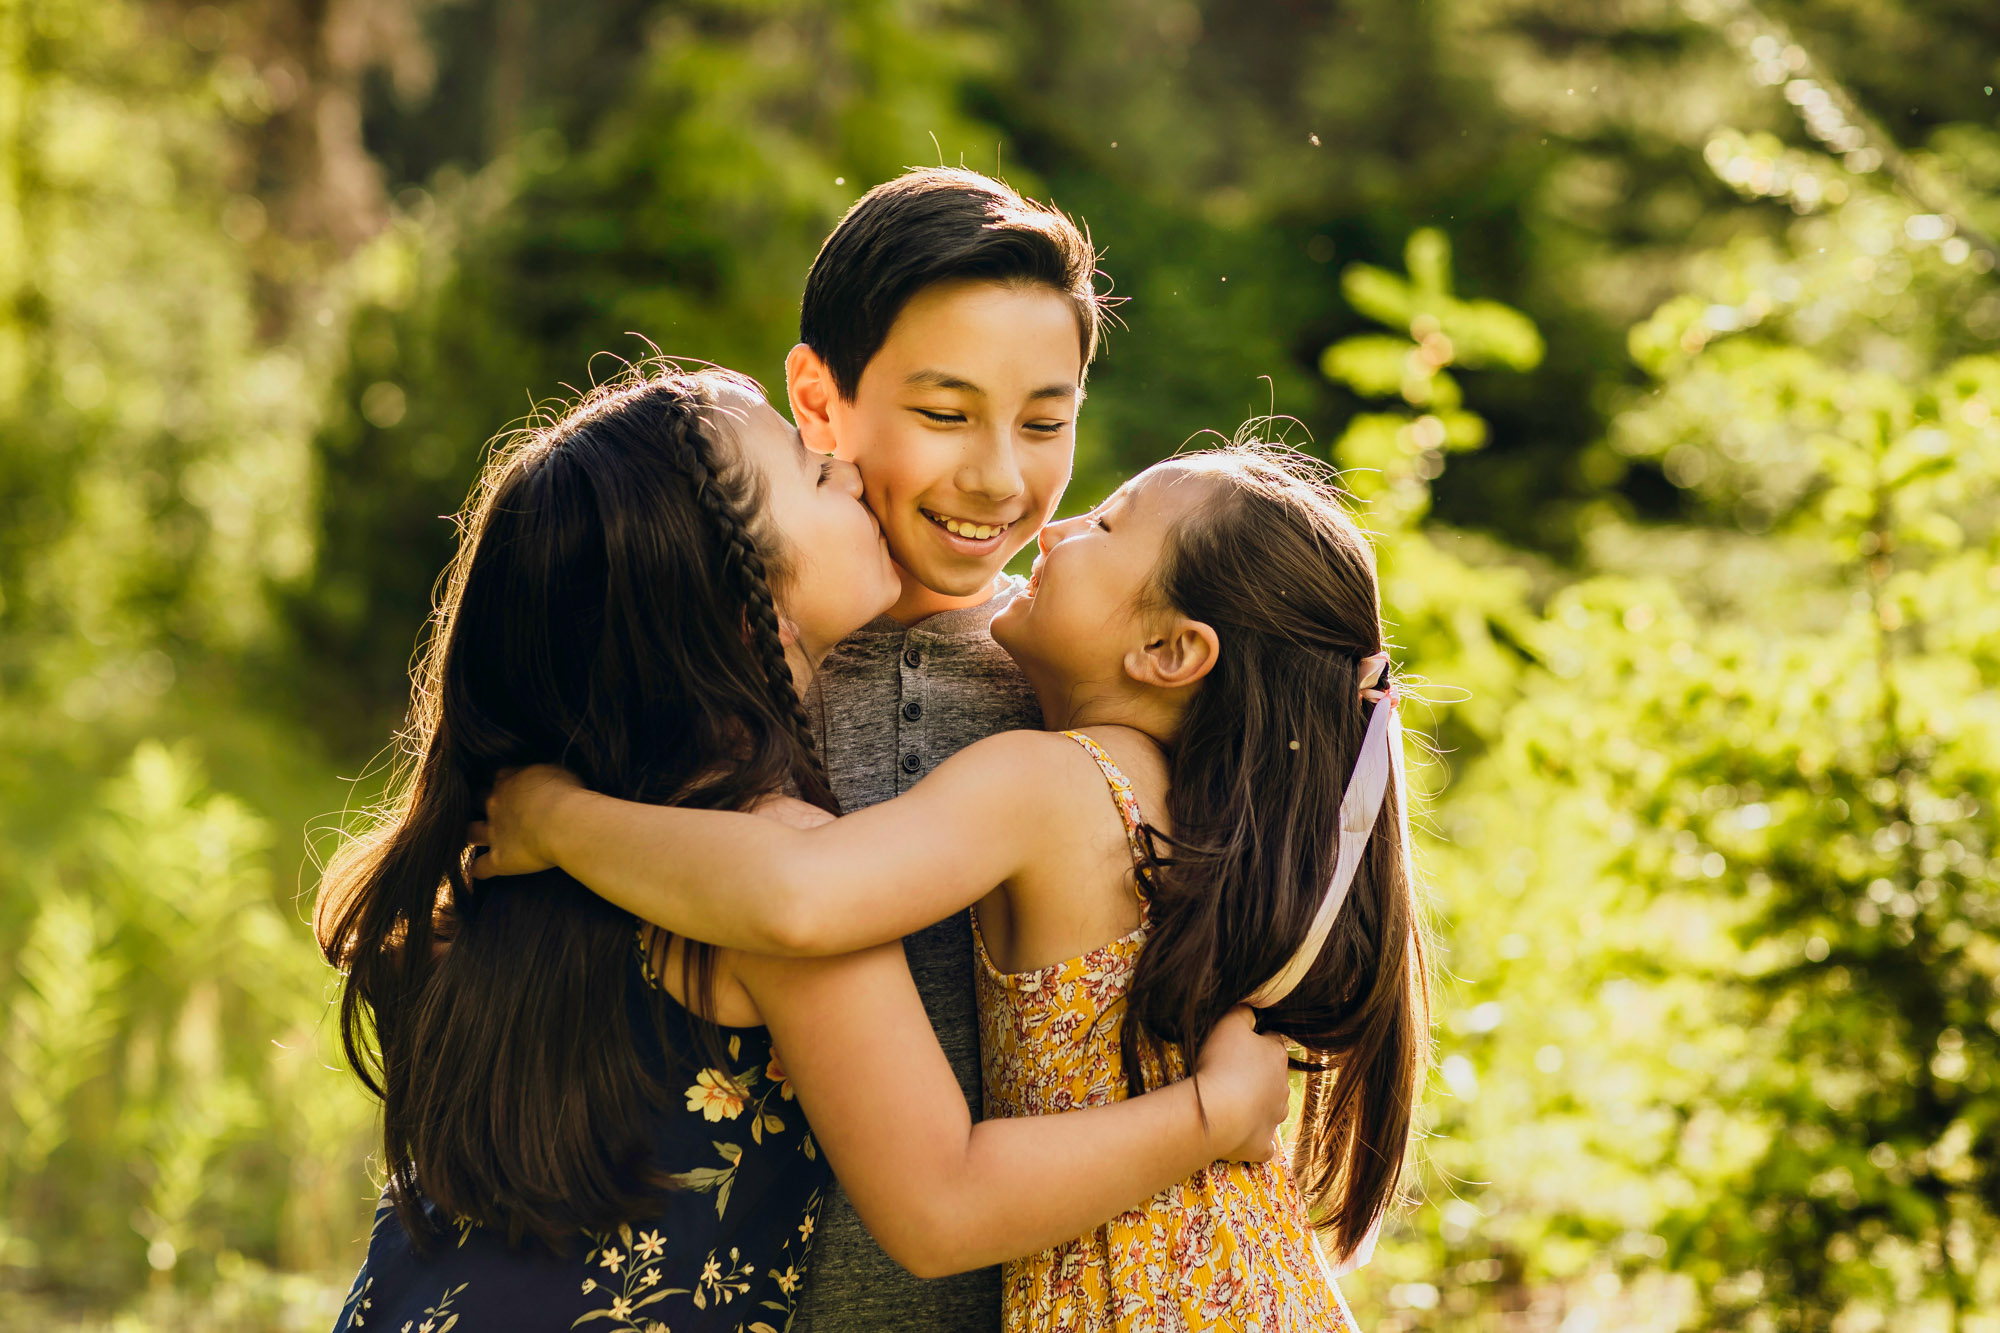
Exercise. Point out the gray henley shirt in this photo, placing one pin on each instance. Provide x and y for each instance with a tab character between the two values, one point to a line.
894	702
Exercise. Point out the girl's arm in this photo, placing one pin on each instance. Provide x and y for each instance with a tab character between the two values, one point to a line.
753	884
941	1194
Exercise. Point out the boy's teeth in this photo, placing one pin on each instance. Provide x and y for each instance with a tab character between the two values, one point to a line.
976	531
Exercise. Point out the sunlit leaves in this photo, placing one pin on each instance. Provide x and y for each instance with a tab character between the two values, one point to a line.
1392	457
64	1014
1371	364
155	483
1472	333
1402	453
1802	749
156	1010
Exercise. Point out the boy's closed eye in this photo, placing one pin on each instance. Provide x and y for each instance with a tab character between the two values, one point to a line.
950	417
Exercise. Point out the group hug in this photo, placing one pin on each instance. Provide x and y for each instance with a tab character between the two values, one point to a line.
784	918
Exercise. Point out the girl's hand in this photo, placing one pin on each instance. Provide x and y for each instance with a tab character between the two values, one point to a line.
1244	1078
518	811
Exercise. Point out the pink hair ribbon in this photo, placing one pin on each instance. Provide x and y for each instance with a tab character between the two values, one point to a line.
1376	768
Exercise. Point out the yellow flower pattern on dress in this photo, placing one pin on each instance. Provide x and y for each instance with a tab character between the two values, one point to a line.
1229	1248
441	1311
637	1266
775	1072
715	1095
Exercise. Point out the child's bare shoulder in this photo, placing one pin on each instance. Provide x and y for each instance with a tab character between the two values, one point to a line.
1044	768
1059	778
1017	754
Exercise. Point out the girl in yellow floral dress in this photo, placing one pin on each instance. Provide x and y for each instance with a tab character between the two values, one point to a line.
1229	1247
1207	643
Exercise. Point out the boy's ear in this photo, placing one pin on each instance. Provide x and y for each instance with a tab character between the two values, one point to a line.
1177	655
810	388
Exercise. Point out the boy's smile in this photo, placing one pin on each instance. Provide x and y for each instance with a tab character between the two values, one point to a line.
972	536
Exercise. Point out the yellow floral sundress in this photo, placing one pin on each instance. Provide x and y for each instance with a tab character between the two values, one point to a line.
1231	1247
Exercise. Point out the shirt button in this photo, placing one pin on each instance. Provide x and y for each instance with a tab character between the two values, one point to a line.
912	658
912	711
912	762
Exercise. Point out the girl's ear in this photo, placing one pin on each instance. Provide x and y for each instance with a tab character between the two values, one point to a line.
810	388
1178	655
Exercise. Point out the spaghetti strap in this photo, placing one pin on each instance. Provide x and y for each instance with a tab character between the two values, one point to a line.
1123	798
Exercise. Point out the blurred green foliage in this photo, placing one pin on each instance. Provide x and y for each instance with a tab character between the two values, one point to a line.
1723	879
1654	338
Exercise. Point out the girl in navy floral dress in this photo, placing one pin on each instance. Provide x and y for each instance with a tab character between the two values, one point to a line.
727	1250
587	1125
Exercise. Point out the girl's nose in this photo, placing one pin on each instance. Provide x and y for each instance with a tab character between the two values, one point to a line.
849	476
1052	534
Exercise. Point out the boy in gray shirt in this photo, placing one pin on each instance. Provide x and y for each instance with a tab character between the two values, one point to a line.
944	335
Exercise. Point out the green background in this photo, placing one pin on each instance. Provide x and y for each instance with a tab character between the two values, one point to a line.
1657	340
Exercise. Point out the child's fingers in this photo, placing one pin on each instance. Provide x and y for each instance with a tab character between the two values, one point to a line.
479	837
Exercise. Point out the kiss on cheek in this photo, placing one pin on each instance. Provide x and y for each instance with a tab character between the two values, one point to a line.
963	425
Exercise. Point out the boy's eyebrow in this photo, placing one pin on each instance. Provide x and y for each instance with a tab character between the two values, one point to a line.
940	379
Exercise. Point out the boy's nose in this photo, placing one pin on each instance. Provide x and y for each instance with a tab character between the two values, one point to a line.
993	472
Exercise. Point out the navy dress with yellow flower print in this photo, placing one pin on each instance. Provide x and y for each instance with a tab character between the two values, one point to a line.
725	1255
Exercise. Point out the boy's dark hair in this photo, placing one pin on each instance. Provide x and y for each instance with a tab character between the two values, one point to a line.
932	225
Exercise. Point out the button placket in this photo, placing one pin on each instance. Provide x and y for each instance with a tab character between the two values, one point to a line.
909	715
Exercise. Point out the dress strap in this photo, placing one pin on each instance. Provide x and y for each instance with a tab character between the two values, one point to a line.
1121	795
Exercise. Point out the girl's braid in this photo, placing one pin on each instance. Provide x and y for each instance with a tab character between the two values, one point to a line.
743	566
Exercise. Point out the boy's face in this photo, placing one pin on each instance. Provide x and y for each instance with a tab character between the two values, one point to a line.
963	427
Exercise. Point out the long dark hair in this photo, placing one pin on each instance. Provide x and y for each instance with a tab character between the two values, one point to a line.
610	608
1274	564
